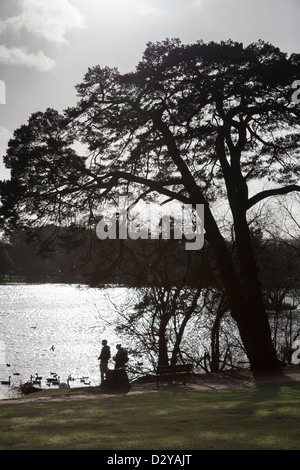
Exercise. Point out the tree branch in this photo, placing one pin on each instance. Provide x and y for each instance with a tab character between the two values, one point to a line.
271	192
151	184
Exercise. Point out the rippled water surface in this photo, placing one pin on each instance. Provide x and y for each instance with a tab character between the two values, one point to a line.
58	328
72	319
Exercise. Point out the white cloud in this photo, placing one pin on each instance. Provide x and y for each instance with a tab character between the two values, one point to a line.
51	19
5	135
200	3
2	92
20	56
145	9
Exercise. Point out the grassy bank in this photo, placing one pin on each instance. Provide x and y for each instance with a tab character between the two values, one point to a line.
240	418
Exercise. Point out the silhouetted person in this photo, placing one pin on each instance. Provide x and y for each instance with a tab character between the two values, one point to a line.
104	358
121	357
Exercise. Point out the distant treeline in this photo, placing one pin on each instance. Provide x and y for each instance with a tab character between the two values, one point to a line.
76	255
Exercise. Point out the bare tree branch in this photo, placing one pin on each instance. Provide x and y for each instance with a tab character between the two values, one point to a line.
271	192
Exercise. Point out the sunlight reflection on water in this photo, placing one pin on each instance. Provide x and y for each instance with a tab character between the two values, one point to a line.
73	319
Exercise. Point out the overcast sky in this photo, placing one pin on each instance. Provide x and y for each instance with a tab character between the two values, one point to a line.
46	46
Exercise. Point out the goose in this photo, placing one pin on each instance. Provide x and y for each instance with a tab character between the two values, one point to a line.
54	376
6	382
37	379
50	379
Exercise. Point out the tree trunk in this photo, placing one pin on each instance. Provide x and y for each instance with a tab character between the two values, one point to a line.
256	332
256	336
163	359
215	342
245	297
243	289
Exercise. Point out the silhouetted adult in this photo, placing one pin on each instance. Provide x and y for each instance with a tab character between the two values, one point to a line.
104	358
121	357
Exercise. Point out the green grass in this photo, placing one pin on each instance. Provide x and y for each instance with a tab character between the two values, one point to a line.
238	418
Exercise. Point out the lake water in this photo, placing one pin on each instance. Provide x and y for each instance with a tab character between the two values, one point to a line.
58	328
54	328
